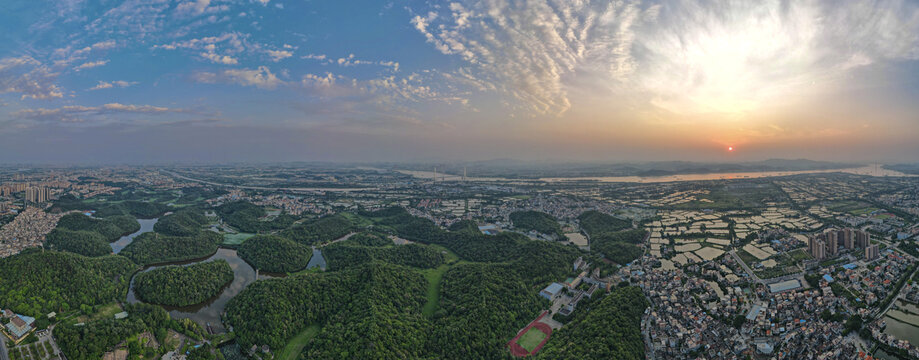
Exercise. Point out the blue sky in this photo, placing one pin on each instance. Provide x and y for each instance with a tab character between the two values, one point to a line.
279	80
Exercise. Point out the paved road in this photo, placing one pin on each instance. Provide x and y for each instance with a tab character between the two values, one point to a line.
894	301
3	354
746	268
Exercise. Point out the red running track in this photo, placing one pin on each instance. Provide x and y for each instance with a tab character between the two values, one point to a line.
518	350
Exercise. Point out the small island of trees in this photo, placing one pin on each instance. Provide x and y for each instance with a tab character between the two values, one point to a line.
154	248
274	254
176	285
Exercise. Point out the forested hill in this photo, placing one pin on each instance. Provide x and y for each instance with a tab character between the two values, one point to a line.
274	254
110	228
183	285
611	329
537	221
271	311
37	282
370	308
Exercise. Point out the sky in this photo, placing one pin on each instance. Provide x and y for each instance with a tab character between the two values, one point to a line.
152	81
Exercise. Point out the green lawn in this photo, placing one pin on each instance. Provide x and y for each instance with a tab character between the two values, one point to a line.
434	276
236	239
293	348
357	220
863	211
531	339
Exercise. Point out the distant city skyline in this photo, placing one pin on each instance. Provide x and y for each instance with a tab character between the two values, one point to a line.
220	81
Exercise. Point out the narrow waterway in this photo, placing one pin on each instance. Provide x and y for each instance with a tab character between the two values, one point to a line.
146	225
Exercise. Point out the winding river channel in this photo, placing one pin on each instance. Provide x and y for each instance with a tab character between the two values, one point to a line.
146	225
208	313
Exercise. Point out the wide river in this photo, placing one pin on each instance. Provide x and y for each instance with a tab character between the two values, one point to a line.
866	170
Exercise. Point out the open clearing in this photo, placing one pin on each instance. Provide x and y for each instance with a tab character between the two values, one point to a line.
236	239
293	348
531	339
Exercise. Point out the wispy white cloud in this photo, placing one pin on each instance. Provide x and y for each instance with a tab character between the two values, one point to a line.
90	65
262	77
199	7
734	57
28	77
313	57
114	84
278	55
81	114
684	56
530	48
219	59
137	18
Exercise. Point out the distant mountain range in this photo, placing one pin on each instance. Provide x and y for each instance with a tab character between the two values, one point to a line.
510	168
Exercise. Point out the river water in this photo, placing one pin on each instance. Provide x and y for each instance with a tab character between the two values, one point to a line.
865	170
317	260
209	311
146	225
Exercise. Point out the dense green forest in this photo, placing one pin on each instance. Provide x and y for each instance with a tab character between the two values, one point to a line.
595	223
481	308
185	222
611	329
153	248
86	243
343	255
481	305
274	254
369	239
376	305
538	221
110	228
247	217
320	230
619	246
138	209
94	338
135	208
36	282
176	285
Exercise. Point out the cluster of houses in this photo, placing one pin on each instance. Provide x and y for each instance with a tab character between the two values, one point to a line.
570	287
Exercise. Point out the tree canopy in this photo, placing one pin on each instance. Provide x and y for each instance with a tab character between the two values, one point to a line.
110	228
154	248
611	329
537	221
274	254
36	282
86	243
186	222
320	230
595	223
248	217
176	285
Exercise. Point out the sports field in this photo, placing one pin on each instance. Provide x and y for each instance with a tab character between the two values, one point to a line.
236	239
531	339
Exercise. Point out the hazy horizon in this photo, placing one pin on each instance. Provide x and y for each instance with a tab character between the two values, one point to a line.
219	81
